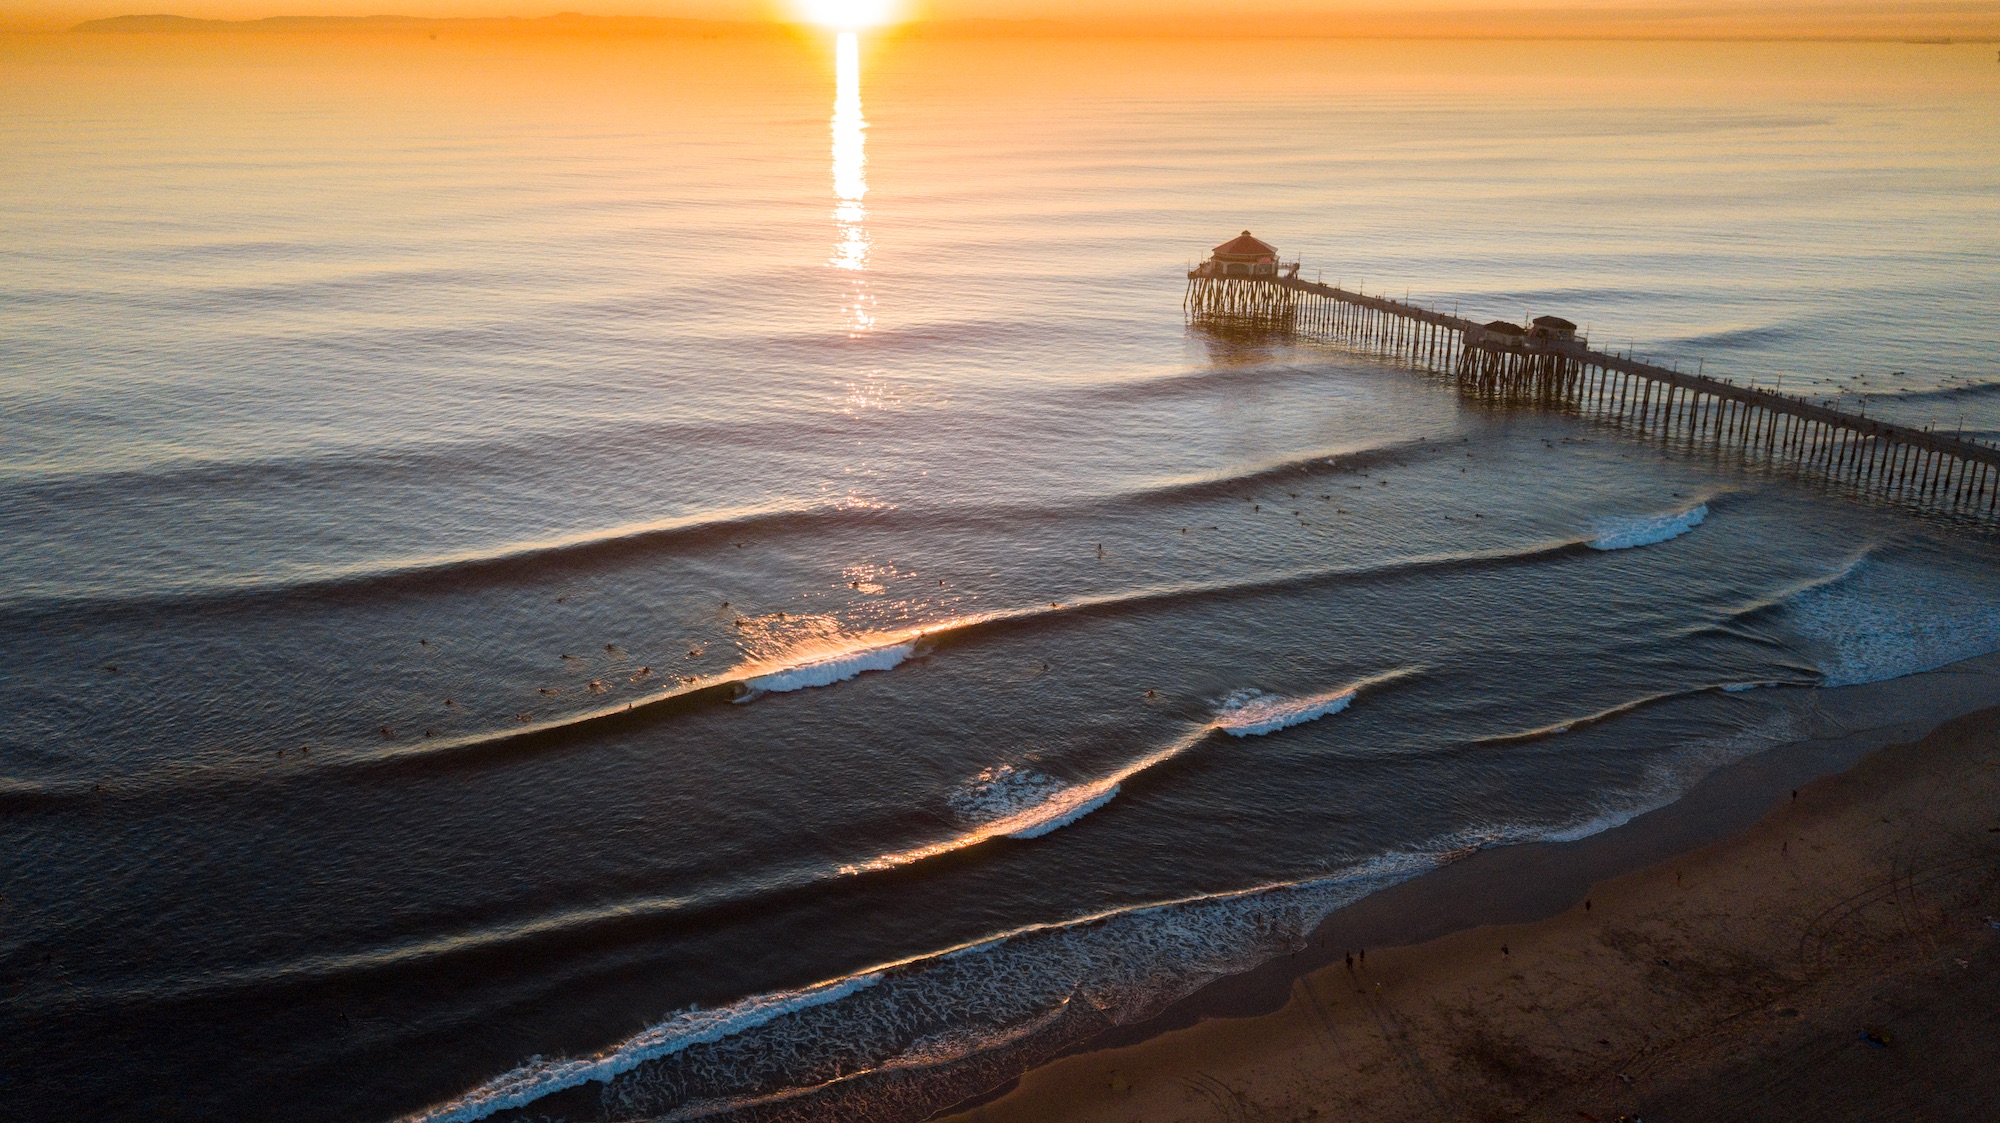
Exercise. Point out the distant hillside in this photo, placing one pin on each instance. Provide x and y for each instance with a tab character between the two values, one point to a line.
567	21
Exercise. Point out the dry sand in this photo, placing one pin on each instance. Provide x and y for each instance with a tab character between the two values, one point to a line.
1735	982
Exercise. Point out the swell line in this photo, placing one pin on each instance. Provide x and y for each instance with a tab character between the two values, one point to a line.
568	553
880	650
1574	724
456	570
1058	810
818	665
1068	804
1235	483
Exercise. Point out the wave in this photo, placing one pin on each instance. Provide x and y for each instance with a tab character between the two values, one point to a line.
841	659
1569	725
819	664
1872	618
539	1078
1025	803
601	547
1256	715
26	795
1203	380
1880	620
1030	805
1005	801
1253	713
1243	482
1735	337
1936	394
1777	600
829	669
1628	531
511	562
879	650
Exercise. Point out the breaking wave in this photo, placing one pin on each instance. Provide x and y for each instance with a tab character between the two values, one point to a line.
539	1078
867	1038
1877	620
1026	804
1628	531
1006	801
1252	713
829	669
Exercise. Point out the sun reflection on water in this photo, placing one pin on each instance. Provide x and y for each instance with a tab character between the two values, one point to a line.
850	183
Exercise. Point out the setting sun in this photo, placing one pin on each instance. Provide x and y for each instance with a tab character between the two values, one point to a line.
847	14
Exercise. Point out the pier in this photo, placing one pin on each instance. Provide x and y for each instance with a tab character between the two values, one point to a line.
1545	364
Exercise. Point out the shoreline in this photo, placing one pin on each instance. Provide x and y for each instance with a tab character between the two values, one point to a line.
1520	890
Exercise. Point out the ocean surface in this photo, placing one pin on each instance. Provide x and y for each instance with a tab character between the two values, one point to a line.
650	578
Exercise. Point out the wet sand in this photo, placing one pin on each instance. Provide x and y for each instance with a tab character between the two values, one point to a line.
1837	958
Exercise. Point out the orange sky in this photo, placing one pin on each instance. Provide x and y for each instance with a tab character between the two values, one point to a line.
1614	18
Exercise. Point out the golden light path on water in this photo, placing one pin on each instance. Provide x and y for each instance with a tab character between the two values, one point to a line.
850	183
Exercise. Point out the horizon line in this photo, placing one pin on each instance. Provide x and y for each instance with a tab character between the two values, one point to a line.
1127	27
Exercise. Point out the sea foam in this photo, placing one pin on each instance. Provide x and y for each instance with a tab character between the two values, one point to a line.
1882	619
538	1078
827	670
1624	532
1253	715
1025	803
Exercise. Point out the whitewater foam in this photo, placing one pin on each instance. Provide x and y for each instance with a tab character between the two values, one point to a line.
1624	532
827	670
1061	981
1253	714
1879	620
1025	803
1005	801
539	1078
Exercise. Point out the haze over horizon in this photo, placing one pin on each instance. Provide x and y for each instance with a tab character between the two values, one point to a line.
1419	18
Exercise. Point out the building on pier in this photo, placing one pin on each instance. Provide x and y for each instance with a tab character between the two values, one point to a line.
1246	256
1551	329
1497	333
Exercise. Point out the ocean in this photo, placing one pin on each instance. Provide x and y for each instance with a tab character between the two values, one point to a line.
634	578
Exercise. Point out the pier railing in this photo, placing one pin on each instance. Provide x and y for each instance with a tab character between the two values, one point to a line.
1932	470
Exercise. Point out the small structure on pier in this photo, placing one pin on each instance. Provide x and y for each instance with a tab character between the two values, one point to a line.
1245	256
1551	329
1497	333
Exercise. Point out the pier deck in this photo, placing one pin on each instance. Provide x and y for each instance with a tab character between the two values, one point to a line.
1922	467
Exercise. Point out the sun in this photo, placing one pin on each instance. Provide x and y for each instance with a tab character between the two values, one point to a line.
847	15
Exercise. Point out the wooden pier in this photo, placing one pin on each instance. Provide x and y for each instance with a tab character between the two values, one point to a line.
1547	366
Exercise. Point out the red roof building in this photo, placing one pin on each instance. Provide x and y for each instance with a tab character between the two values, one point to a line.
1243	256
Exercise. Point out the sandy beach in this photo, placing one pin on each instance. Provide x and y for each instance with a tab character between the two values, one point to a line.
1839	959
